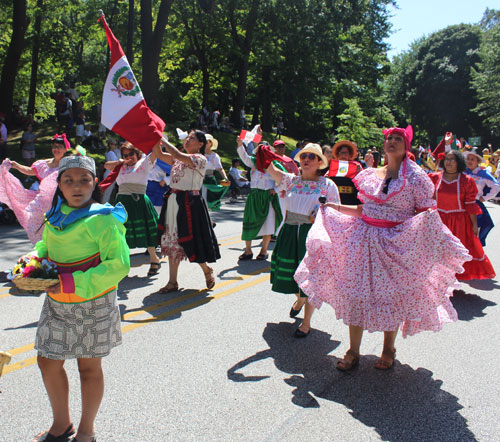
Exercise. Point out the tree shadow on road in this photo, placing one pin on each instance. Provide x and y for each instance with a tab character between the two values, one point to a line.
469	306
403	404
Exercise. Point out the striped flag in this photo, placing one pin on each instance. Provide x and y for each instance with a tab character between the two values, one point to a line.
342	168
124	110
252	135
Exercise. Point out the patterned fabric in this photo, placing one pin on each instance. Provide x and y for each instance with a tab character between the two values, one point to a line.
136	174
87	330
29	206
77	161
185	177
382	278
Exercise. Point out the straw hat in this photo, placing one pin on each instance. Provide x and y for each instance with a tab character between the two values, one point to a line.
474	151
337	146
316	150
214	141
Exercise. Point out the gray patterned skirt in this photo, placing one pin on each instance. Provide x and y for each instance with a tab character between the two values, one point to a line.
87	330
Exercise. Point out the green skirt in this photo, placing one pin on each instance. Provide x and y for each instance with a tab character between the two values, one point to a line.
288	252
215	192
142	220
256	212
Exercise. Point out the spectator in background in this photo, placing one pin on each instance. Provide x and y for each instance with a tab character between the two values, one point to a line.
28	145
203	118
79	123
214	121
3	137
243	118
369	160
280	128
73	93
238	180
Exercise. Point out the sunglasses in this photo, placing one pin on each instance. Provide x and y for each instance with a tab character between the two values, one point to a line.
311	156
128	155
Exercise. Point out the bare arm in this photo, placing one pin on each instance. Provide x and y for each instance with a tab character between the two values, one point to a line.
165	157
355	211
275	173
175	153
110	165
23	169
223	174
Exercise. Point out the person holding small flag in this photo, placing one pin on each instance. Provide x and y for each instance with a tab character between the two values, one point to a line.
262	215
343	168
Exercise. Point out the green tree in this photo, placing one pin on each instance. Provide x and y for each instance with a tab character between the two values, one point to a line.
486	74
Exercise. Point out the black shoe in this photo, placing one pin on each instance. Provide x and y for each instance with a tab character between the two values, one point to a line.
245	257
300	334
294	313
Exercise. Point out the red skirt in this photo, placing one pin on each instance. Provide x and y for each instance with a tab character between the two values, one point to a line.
461	226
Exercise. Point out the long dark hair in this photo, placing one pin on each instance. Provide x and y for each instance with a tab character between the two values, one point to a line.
460	159
200	136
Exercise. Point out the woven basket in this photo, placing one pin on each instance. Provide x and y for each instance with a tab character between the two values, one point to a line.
30	284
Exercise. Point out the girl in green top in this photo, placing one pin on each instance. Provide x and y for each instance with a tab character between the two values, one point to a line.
80	317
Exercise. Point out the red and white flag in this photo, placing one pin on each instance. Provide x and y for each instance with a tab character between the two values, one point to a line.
247	136
124	110
343	168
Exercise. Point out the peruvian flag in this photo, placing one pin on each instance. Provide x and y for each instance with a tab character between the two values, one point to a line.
343	168
247	136
124	110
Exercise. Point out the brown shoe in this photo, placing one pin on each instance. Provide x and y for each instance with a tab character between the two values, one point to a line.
383	364
348	364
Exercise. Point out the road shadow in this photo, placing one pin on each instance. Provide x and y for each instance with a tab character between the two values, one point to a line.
483	284
246	268
30	325
469	306
404	404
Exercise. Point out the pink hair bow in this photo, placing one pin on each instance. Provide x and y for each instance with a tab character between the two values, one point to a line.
67	144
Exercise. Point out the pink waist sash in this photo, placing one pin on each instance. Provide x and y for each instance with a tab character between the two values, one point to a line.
379	222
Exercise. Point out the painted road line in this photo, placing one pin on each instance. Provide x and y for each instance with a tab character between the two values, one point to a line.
190	295
31	361
160	305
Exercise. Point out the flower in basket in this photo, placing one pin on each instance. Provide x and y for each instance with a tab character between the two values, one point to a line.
32	266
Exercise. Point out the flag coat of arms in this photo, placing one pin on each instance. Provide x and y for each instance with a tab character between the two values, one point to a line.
342	168
124	110
248	136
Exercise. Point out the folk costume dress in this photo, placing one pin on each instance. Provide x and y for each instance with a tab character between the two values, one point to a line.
29	205
301	197
487	187
212	191
185	228
142	222
390	268
262	215
89	247
455	201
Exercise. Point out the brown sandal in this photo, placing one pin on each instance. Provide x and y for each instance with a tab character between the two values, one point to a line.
384	365
170	287
210	278
346	365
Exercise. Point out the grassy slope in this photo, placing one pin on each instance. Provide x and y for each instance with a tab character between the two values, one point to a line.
226	149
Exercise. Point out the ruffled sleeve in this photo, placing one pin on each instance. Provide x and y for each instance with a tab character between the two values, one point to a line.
423	192
333	193
41	169
470	193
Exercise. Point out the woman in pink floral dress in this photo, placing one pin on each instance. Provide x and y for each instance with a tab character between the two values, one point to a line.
388	263
29	205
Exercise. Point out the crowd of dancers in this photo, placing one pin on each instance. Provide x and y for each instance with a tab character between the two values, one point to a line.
384	246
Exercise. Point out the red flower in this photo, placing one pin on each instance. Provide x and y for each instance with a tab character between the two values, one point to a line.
27	271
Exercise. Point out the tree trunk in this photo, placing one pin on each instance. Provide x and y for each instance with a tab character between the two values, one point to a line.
246	47
151	41
34	58
130	32
11	62
267	117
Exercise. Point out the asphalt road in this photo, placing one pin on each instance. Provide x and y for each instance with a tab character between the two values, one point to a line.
222	365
